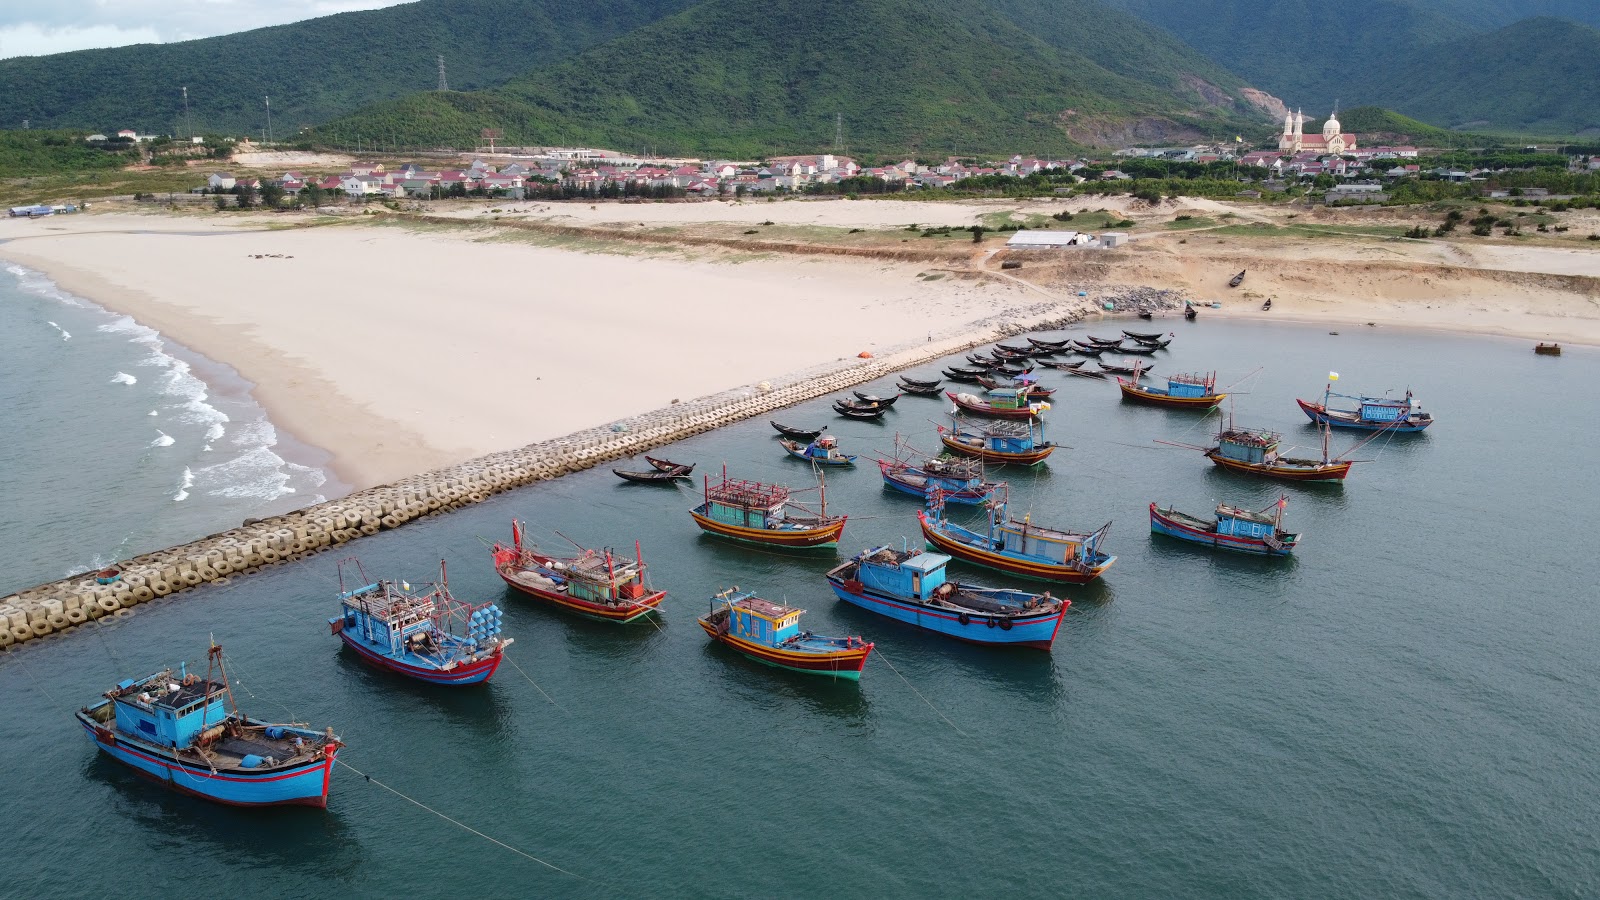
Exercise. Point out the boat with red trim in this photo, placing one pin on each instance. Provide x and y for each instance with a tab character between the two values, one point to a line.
1186	391
1403	416
1232	528
999	403
961	479
770	633
424	634
1007	443
186	732
1018	547
596	584
766	514
910	586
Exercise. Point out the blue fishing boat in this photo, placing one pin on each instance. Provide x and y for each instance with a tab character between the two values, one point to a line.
427	635
824	451
770	633
1240	530
1184	391
186	732
962	480
1371	413
910	586
1018	547
999	442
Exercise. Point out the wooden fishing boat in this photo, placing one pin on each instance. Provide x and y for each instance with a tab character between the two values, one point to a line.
911	586
1054	346
920	390
425	634
1087	349
965	376
1134	370
876	400
1544	349
1019	548
1255	451
1014	370
984	362
1267	305
1023	350
1238	279
865	412
1143	336
1157	343
1146	316
1191	391
1189	311
1073	366
765	514
824	451
907	379
961	479
1002	403
1232	528
186	731
667	465
1025	383
1139	349
1104	342
798	434
651	477
596	584
1371	413
1003	442
769	633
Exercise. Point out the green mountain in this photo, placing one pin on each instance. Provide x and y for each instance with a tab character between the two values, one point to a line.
313	70
1538	76
751	77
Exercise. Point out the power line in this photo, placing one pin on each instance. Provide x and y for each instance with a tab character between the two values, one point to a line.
444	83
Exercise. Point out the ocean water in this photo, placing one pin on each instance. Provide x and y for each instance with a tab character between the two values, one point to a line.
1406	709
118	441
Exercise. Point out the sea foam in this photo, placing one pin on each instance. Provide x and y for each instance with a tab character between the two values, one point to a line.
123	378
188	482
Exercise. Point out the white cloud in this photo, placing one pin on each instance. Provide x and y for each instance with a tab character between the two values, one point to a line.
34	29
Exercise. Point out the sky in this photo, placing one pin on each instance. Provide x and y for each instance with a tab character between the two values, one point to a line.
38	27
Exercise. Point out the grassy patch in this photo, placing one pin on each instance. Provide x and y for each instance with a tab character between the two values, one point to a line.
1186	222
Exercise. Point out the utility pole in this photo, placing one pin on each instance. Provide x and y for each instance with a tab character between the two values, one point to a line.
838	132
444	83
268	101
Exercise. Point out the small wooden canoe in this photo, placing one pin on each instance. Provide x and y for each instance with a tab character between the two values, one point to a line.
798	434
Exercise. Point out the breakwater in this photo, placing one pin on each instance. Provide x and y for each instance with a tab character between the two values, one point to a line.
46	610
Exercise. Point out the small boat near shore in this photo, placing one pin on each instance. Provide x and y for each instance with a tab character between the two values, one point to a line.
427	635
1068	366
1000	442
796	434
855	409
1018	547
1231	528
1143	336
1134	370
920	390
876	400
911	586
766	515
965	376
662	471
1027	383
1238	279
921	383
1002	403
185	731
1543	349
824	451
769	633
595	584
1052	346
1187	391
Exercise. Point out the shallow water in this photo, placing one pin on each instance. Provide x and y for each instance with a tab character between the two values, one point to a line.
119	442
1404	710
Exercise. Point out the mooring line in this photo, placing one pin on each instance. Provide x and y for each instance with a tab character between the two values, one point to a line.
459	824
919	695
507	658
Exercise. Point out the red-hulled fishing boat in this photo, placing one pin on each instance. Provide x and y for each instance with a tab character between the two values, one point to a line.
598	584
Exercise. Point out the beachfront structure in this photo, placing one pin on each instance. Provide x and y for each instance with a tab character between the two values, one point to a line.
1050	240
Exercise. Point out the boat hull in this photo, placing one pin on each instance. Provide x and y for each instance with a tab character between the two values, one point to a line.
798	539
622	613
1029	458
965	497
844	664
1319	414
1037	631
983	409
1026	568
1320	472
1138	394
1161	523
475	672
302	785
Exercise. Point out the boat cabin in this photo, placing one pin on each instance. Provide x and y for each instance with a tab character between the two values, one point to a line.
762	621
1376	409
1008	397
1008	437
1258	447
1024	539
168	711
387	616
746	504
1191	385
602	578
1244	523
903	573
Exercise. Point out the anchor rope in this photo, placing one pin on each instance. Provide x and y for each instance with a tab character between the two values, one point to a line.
460	824
919	695
507	657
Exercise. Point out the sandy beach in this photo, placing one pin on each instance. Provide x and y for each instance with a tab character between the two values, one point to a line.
403	347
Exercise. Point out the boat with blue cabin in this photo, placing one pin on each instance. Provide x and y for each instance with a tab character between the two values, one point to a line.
1018	547
766	514
1232	528
424	634
186	732
1183	391
824	451
910	586
1006	443
770	633
1403	416
961	479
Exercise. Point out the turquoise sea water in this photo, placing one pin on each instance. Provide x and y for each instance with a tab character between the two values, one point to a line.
1407	709
119	442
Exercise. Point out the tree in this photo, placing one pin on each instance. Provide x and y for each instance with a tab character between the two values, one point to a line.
311	196
246	195
222	202
272	195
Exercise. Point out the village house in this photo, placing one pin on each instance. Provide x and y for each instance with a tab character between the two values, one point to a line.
220	181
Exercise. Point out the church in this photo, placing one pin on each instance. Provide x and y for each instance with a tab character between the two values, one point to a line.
1331	141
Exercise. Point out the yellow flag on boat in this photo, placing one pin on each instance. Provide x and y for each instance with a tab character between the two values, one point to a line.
1333	376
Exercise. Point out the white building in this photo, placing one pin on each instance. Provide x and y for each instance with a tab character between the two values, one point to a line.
1049	240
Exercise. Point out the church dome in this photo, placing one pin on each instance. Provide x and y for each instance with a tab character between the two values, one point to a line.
1331	127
